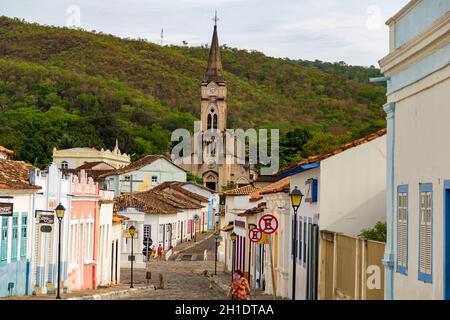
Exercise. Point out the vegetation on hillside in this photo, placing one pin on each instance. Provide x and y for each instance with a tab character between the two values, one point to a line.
63	88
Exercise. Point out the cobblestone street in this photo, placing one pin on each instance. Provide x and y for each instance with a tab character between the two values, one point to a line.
184	277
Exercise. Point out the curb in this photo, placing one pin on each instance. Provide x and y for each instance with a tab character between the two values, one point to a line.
114	294
193	244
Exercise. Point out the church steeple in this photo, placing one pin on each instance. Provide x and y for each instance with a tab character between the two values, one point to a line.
214	72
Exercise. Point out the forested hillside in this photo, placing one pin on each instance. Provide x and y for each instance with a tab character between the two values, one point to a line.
65	88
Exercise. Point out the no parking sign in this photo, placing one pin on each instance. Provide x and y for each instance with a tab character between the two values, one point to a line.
268	223
255	234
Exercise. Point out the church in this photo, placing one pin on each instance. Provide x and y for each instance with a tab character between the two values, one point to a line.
216	175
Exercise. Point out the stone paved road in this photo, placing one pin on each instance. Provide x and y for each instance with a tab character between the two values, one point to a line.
184	278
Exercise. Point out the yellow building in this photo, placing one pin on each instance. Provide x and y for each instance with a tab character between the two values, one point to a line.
75	157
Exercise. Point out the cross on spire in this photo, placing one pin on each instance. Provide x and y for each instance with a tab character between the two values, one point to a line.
215	19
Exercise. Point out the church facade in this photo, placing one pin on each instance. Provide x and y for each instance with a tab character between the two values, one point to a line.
212	168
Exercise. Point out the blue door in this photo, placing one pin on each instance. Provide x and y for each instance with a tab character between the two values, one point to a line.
447	239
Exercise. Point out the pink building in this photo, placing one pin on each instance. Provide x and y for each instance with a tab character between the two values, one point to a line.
83	227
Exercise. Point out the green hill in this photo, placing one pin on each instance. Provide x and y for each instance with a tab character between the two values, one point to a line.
65	88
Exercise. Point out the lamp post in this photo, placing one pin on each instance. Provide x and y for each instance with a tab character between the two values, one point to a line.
59	210
233	238
296	199
132	231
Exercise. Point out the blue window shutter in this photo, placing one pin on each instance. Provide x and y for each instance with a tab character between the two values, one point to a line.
4	240
314	190
15	236
425	232
24	236
402	229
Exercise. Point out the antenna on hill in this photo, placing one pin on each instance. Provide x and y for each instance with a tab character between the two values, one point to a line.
162	36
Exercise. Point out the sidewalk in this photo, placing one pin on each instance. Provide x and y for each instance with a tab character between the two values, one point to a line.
190	244
116	291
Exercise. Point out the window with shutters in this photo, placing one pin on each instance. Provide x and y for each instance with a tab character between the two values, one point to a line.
402	229
4	241
23	236
426	233
15	236
304	241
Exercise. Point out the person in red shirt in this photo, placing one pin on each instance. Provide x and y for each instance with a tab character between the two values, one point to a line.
160	252
239	289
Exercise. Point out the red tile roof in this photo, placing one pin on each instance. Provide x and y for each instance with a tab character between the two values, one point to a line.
15	175
279	186
175	187
242	191
258	209
342	148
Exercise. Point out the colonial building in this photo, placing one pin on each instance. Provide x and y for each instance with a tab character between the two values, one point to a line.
214	111
83	219
160	218
417	71
142	175
75	157
16	211
344	191
55	188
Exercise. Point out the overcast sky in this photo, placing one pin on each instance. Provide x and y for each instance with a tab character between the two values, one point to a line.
353	31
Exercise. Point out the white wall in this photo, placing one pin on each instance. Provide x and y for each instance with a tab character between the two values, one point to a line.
422	155
310	212
353	188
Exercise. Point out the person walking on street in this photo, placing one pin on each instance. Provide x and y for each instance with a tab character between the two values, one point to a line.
153	252
239	289
160	252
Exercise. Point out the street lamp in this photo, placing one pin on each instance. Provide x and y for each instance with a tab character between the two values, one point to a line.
132	231
59	210
296	199
233	238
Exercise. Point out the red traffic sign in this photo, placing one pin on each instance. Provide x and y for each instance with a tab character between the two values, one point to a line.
268	223
254	234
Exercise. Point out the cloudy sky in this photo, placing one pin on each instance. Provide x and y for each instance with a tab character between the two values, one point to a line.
331	30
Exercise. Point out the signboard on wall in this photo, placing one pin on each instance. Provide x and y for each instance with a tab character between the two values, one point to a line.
6	209
46	219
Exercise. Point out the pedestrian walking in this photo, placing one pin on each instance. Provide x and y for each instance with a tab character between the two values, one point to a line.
239	289
205	255
153	252
160	252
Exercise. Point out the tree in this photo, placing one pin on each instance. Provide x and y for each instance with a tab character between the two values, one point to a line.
377	233
194	178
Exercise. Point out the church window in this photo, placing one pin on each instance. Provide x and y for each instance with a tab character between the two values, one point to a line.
64	165
215	121
209	121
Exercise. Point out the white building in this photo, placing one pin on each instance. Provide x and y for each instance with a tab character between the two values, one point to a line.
418	212
158	216
105	262
55	189
344	191
16	223
143	175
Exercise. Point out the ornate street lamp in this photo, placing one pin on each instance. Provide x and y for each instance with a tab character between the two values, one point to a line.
59	211
296	199
132	231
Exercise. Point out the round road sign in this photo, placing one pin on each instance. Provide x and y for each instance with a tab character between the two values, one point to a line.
268	224
254	234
